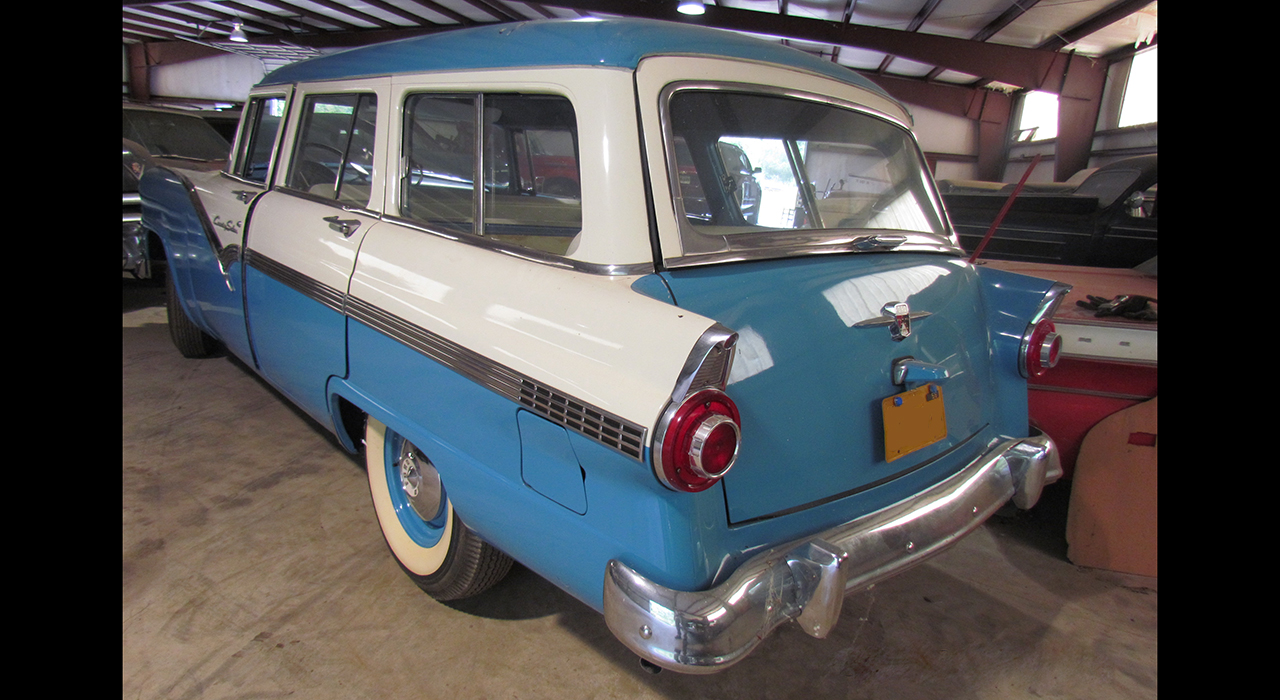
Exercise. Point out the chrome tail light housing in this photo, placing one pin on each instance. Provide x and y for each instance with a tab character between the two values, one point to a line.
1041	343
699	435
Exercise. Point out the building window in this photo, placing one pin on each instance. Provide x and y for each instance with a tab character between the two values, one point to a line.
1039	118
1139	103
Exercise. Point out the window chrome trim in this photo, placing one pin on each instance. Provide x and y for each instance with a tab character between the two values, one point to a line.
236	160
773	244
529	254
327	201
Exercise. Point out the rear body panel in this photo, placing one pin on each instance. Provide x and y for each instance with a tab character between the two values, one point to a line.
809	380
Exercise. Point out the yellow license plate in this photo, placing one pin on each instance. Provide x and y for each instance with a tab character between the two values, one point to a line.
912	420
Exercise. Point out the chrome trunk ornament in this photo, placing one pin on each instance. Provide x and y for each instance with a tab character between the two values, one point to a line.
900	312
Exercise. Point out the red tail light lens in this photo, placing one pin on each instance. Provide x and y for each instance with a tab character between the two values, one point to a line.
1040	349
701	441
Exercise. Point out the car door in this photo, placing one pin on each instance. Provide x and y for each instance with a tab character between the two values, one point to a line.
303	238
228	199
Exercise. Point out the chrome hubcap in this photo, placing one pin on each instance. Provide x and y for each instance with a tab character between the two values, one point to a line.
420	482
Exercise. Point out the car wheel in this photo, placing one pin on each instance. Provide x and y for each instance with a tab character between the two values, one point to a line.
186	336
427	538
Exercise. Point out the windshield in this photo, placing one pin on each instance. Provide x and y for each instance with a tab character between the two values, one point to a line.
750	166
164	135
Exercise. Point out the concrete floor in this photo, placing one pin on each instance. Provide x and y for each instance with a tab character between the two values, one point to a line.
253	567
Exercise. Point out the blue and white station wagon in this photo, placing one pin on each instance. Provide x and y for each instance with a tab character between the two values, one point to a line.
670	315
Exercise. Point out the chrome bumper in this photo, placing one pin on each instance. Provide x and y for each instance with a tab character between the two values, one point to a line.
806	580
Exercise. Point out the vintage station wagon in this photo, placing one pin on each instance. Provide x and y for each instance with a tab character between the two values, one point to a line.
512	266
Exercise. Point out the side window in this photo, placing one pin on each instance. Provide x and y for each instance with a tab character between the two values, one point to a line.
438	185
530	189
334	154
262	124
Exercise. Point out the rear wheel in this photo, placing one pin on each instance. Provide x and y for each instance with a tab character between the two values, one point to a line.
186	336
430	543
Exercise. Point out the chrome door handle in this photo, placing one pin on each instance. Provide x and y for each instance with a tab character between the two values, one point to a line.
344	226
244	195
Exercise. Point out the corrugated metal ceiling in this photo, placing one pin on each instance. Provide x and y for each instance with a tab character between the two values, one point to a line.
958	42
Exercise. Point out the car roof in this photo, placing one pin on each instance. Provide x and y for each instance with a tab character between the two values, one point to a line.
618	43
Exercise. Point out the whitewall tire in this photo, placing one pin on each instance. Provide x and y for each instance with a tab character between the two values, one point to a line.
427	538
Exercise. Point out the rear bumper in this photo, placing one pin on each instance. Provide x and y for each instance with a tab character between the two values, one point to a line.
806	580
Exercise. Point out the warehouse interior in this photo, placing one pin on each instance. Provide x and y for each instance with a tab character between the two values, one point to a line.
252	563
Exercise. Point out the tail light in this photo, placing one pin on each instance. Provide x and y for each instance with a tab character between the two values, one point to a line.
1040	349
700	443
697	439
1041	343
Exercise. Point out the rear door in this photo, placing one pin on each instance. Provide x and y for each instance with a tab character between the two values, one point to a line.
304	235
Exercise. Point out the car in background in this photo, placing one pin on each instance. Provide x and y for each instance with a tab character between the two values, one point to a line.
1108	362
1104	217
157	135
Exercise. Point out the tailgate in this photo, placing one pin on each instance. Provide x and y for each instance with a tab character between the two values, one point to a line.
809	381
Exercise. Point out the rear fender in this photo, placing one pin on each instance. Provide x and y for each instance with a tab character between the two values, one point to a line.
1013	303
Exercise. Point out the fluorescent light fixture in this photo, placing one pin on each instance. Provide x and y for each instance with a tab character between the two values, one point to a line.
690	7
237	33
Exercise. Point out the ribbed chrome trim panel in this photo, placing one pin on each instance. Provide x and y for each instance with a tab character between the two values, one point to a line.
323	293
714	369
599	425
564	410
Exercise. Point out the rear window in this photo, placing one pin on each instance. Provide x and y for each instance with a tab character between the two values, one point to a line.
753	166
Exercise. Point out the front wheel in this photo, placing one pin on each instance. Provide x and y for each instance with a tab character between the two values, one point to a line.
430	543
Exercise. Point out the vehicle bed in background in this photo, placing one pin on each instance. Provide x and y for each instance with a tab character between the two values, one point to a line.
1099	406
1107	220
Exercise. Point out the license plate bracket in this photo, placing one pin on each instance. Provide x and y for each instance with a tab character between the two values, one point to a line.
912	420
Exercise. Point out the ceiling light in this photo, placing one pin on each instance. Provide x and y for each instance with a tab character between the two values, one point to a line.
237	33
690	7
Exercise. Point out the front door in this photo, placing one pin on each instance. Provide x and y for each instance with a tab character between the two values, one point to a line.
302	244
227	200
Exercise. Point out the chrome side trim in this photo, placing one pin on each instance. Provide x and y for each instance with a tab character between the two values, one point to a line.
323	293
1089	392
600	425
806	580
591	421
228	255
